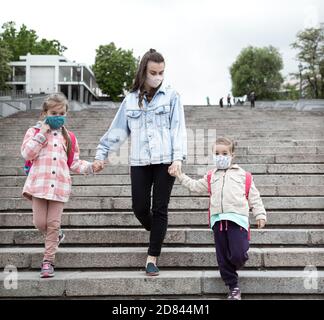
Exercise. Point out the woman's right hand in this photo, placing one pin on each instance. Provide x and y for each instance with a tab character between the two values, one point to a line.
45	128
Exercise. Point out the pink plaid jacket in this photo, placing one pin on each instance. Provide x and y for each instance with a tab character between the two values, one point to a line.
49	177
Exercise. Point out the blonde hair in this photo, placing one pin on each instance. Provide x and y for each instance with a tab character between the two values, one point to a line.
53	100
225	141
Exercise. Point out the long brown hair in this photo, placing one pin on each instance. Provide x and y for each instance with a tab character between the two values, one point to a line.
54	100
140	77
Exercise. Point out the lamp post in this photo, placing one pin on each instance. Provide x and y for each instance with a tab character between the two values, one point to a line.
300	67
79	79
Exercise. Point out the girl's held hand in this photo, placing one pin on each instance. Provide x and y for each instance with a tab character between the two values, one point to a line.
178	172
260	223
45	128
98	165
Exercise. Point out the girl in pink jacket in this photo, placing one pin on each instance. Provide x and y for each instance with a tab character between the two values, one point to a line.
51	152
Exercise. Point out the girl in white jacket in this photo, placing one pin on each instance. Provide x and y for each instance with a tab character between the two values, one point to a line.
232	195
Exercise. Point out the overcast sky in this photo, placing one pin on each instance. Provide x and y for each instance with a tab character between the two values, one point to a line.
199	39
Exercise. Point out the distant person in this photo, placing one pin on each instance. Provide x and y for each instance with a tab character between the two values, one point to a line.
252	99
221	102
229	104
208	101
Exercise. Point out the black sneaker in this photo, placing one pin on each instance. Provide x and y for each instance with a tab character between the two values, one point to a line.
152	269
234	294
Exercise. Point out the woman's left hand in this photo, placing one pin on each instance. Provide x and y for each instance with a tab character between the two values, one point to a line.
175	166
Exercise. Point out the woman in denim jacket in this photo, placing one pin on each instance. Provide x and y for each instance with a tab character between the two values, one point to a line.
153	116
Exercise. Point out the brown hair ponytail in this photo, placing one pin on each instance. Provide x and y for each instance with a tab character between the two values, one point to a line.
67	138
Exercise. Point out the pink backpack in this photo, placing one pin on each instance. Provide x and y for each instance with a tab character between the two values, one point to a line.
28	163
248	182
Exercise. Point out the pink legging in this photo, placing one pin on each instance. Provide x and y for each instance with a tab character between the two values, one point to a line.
47	219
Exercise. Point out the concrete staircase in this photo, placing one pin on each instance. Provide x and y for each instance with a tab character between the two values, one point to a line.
104	253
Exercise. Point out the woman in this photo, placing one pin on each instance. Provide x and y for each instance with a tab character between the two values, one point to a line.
153	116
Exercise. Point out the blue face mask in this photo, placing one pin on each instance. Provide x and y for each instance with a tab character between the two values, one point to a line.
55	122
222	162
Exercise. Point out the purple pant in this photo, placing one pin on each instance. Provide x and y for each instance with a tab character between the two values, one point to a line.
232	244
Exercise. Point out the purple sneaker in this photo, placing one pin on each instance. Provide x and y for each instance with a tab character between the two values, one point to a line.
234	294
47	270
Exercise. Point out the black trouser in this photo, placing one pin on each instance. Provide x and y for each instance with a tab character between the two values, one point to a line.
155	220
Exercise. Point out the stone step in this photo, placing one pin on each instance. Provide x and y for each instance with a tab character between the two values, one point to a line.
190	115
94	138
199	146
192	134
275	130
272	129
174	236
92	144
30	119
231	114
177	203
199	150
203	160
181	282
16	169
130	257
176	218
245	115
125	191
113	179
92	141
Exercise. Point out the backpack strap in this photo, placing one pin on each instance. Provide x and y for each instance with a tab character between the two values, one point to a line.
72	151
248	182
209	176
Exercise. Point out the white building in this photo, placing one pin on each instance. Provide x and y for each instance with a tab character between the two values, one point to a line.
45	74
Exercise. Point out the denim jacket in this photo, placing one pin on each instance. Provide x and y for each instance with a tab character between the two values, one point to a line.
157	130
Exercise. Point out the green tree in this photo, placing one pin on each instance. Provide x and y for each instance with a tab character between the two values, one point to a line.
310	46
4	65
258	70
23	41
114	69
289	92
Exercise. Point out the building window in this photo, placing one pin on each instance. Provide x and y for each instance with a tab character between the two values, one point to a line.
19	74
86	77
77	74
65	74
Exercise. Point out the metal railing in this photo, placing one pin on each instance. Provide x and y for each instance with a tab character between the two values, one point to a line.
13	93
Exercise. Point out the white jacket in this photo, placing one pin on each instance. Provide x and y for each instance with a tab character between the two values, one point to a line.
228	192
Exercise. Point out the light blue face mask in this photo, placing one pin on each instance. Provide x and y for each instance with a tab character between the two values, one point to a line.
222	162
55	122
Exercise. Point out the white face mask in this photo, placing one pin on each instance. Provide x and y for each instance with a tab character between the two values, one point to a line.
154	81
222	162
